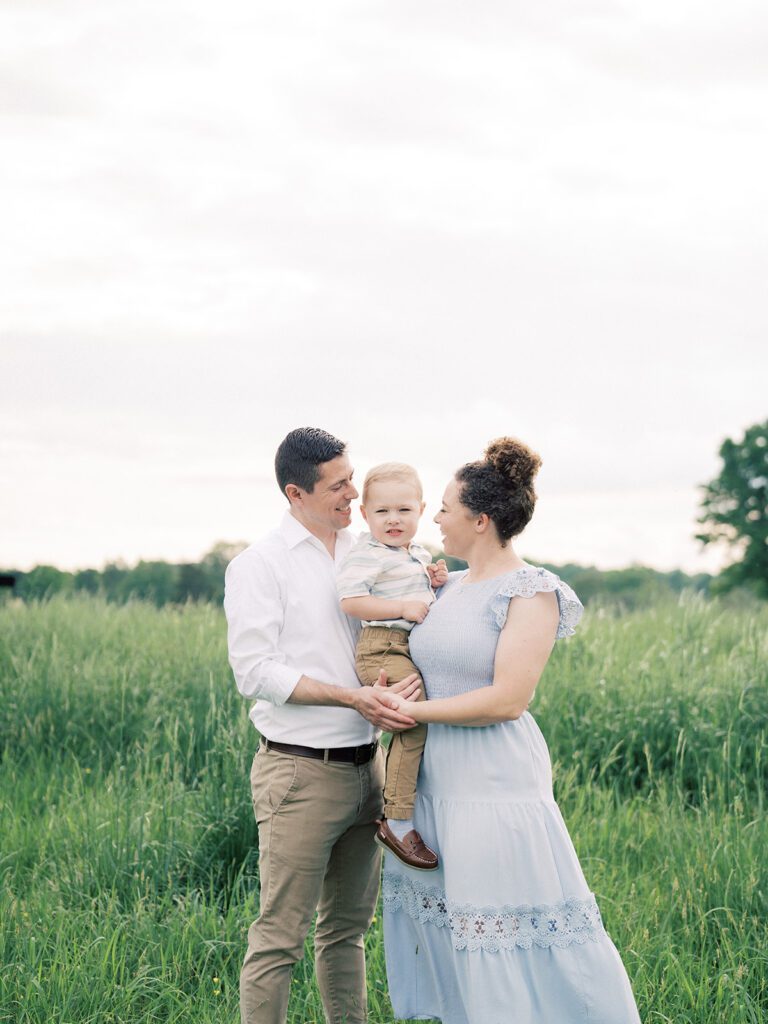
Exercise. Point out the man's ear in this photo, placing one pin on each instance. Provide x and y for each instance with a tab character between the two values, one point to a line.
293	493
364	513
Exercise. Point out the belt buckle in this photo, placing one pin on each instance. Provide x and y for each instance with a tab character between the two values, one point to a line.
360	754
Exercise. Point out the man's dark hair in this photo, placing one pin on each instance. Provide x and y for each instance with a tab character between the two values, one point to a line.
301	454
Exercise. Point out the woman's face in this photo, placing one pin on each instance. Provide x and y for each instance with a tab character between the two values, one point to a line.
456	522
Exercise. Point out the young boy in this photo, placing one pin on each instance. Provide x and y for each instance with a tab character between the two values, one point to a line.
387	581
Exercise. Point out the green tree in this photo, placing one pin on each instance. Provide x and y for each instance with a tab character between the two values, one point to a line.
43	581
214	565
152	581
734	510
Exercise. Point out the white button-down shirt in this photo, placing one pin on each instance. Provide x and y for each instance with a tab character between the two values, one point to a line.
284	621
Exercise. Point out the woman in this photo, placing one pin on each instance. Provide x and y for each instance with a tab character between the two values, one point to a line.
506	930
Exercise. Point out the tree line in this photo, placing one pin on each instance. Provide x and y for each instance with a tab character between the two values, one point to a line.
164	583
734	513
158	582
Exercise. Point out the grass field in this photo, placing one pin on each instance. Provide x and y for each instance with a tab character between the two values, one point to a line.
128	847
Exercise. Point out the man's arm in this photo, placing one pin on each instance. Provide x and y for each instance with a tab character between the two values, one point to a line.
254	610
369	701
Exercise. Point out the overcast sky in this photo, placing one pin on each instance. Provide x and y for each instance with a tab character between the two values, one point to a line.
419	225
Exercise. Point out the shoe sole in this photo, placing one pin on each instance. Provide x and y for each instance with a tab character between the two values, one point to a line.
403	862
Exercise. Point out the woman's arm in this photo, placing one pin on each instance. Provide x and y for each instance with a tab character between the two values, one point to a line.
523	650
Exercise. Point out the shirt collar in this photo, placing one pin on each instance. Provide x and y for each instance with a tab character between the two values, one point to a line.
294	533
412	548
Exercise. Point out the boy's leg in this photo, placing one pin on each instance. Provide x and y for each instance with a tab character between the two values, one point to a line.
371	649
405	748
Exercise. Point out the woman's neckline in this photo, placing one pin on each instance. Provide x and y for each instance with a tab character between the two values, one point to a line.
488	579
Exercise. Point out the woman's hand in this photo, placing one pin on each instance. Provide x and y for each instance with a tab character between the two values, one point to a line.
382	709
403	697
402	706
388	707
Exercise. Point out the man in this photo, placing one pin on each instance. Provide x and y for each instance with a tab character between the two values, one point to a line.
317	776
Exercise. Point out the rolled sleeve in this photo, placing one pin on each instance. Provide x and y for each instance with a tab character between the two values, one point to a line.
254	610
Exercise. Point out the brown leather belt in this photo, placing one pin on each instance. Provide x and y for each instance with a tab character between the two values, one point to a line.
347	755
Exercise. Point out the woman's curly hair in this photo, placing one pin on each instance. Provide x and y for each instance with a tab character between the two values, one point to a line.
501	485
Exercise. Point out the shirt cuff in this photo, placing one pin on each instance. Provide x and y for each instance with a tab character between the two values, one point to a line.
280	685
351	592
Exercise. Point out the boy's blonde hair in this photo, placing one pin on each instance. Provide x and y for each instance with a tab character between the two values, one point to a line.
392	471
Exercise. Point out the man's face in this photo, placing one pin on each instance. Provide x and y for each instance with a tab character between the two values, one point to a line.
329	504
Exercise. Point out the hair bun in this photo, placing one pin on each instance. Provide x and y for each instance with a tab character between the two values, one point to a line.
514	460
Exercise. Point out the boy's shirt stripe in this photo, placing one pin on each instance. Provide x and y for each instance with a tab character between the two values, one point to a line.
373	569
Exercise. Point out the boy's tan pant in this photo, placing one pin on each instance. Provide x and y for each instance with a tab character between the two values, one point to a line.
380	647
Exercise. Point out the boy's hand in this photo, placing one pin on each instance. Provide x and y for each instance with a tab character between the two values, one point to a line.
438	573
414	611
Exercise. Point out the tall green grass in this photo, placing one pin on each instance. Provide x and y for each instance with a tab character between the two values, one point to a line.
128	872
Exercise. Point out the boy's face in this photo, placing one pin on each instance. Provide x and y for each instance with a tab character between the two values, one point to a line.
392	510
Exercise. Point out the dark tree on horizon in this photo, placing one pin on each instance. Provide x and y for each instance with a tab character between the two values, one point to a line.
734	510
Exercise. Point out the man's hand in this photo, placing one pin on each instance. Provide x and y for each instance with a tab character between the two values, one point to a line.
414	611
407	688
438	573
376	705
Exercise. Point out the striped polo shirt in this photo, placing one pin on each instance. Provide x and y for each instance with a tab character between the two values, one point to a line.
373	569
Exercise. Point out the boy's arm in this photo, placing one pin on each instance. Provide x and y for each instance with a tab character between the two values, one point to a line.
382	608
357	575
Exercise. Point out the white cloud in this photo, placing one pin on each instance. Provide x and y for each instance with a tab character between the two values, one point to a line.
415	225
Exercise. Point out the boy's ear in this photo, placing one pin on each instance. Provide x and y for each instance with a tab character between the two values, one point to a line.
364	513
423	506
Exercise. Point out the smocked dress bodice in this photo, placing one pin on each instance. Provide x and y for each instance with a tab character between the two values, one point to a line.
455	647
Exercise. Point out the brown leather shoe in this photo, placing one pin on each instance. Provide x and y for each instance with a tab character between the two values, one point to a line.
411	849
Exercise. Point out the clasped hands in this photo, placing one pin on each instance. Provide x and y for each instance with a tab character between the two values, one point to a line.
379	704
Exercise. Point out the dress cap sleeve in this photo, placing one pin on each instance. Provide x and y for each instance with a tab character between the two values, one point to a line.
529	581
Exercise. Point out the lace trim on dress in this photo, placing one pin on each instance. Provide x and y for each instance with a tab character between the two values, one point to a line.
495	928
526	583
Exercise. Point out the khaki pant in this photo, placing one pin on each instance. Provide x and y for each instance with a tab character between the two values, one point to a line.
380	647
316	852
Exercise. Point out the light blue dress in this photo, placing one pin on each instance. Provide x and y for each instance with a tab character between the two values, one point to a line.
506	930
